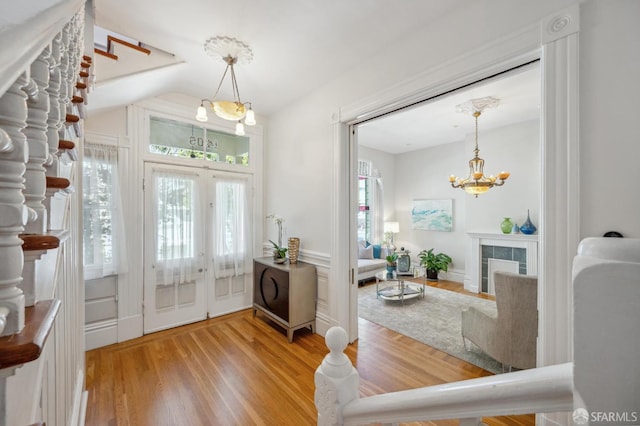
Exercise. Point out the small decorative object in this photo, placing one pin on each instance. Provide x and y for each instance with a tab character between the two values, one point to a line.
506	225
294	249
434	263
404	261
278	221
279	253
392	262
515	229
528	227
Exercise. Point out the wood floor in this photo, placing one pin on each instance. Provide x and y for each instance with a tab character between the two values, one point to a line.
240	370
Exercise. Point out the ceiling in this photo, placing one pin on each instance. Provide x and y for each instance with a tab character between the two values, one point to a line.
298	45
436	122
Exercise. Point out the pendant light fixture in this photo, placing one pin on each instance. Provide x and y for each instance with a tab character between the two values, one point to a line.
232	52
477	183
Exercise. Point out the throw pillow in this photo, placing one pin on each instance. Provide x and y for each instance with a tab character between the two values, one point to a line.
365	252
376	251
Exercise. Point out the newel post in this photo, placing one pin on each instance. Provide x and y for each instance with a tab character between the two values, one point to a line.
337	381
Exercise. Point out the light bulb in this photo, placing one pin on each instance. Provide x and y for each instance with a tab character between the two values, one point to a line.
202	114
239	128
250	118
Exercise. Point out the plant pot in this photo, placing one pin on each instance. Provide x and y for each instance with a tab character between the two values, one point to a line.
432	275
391	268
279	259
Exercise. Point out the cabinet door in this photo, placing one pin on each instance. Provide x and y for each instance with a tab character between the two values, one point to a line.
271	289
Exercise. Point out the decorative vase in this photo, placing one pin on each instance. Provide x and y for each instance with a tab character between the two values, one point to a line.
506	225
515	229
528	227
294	249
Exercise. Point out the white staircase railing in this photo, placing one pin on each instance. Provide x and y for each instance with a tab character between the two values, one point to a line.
539	390
601	384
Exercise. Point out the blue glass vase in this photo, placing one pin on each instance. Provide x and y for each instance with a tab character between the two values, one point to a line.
528	227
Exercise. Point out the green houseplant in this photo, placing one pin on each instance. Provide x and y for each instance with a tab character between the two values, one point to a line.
434	263
279	253
392	261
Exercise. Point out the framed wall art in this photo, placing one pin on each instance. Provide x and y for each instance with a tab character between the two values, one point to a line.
432	215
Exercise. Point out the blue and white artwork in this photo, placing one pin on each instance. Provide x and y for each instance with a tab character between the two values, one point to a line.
432	215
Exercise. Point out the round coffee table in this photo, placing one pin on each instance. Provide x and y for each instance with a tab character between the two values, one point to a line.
396	288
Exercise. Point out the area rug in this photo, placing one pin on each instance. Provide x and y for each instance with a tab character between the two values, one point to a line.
434	320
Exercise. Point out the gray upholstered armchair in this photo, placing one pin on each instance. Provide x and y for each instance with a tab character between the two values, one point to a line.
510	337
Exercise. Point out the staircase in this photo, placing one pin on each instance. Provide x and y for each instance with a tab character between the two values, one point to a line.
44	83
121	58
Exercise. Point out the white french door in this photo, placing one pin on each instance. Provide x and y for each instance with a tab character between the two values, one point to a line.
230	243
197	245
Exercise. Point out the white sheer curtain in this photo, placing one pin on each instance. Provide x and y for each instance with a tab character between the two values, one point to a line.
105	251
176	228
377	220
232	237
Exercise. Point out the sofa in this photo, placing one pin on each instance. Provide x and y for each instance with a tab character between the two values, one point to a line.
371	259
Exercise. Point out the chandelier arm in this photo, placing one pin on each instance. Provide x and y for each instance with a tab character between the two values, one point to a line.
234	84
221	81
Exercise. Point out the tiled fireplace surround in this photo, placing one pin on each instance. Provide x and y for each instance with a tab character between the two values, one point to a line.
516	252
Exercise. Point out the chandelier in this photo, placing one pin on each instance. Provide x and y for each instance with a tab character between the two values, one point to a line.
477	183
231	51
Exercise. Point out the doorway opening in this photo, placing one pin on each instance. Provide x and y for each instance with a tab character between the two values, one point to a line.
412	151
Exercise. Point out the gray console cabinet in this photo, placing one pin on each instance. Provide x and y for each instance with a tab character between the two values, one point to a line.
286	293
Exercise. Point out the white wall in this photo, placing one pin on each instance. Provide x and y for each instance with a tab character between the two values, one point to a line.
423	175
609	124
516	149
305	125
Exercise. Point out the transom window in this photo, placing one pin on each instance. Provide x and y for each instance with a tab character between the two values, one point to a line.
176	139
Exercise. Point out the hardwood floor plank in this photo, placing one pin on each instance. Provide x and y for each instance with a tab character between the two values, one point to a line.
240	370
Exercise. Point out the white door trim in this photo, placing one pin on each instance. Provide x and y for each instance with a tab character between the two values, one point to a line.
554	40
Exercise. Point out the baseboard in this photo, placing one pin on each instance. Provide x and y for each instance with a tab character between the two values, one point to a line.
323	324
455	275
100	334
130	328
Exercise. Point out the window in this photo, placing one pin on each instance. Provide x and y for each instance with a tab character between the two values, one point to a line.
176	139
104	245
364	209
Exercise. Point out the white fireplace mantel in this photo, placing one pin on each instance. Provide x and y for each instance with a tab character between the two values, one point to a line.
473	270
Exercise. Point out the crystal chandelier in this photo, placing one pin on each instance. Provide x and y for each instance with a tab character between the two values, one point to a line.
477	183
231	51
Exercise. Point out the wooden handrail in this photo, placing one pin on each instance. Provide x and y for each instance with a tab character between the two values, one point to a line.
113	39
105	53
27	345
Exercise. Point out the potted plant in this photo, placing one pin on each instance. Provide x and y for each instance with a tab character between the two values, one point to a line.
392	261
279	253
434	263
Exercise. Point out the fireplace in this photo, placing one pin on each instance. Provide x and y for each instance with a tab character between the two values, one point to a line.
488	253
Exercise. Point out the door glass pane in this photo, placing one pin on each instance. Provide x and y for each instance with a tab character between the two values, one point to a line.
177	139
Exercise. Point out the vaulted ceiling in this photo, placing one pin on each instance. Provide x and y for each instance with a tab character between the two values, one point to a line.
298	45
